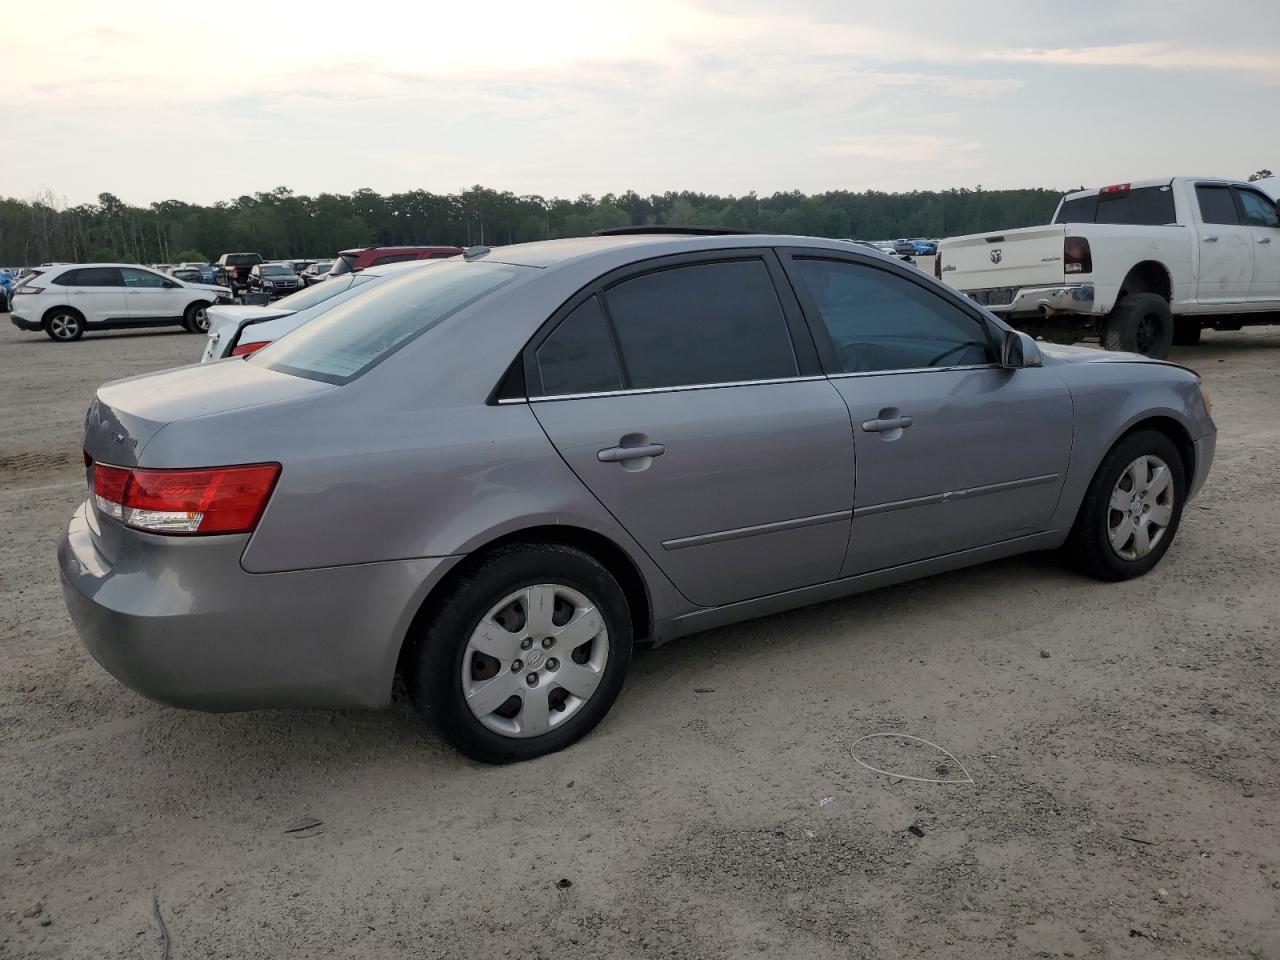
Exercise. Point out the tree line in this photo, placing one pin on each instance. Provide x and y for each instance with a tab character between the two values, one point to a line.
280	223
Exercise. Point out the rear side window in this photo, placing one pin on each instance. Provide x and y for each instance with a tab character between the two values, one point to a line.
706	323
881	321
1258	210
1143	207
1216	205
578	356
349	339
91	277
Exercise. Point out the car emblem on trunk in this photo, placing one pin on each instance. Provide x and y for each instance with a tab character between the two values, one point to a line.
996	255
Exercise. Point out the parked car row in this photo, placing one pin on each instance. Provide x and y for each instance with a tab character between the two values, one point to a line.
1140	265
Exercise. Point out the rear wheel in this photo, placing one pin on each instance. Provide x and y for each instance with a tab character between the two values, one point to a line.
525	655
64	325
1132	509
196	319
1140	323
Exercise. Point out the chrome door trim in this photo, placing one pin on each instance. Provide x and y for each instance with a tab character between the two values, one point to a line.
740	532
682	387
967	493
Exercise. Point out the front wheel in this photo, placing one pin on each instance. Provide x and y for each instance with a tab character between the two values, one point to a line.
196	319
525	654
1140	323
1132	509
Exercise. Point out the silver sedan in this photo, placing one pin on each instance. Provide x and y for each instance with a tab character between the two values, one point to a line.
498	475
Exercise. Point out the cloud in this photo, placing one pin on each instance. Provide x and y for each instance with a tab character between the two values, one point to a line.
919	148
1149	55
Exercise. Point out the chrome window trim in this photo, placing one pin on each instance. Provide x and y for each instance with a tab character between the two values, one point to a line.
889	373
677	389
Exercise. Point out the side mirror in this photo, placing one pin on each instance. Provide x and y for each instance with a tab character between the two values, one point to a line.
1018	350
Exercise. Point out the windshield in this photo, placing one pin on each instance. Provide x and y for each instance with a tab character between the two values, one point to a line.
346	340
275	270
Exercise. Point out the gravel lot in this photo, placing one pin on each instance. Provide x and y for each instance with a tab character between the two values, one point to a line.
1122	740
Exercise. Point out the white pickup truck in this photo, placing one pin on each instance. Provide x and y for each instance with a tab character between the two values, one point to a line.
1138	265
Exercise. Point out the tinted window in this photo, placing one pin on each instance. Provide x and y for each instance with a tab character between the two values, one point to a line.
141	278
578	357
1144	207
346	340
319	293
1079	210
1216	205
1258	210
91	277
706	323
881	321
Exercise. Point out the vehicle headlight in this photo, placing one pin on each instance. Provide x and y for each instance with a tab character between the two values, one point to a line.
268	283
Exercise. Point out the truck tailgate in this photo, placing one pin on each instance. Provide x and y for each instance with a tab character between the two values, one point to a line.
1028	257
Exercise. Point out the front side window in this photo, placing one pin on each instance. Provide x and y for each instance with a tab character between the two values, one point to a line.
1216	205
133	277
349	339
578	356
1258	210
706	323
881	321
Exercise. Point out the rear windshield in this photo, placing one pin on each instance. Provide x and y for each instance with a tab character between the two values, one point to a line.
349	339
1143	207
318	293
242	259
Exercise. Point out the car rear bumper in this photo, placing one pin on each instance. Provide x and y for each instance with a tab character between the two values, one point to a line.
1039	301
22	323
179	621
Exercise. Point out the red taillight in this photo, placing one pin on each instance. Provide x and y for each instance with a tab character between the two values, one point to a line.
208	500
1115	188
1076	256
244	349
27	289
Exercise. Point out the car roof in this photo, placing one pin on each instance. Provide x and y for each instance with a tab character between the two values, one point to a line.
549	253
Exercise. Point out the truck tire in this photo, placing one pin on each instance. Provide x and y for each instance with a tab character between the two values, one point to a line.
1186	331
1140	323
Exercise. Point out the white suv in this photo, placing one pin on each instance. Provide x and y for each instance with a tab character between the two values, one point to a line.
66	300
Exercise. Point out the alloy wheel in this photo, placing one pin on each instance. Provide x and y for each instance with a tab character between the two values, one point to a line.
534	660
1141	508
64	326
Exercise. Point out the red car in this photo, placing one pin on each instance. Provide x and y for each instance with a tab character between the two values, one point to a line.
353	261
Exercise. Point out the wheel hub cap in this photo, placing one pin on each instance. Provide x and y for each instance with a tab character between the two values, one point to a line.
534	660
1141	508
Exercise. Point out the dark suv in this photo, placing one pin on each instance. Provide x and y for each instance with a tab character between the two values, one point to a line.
232	270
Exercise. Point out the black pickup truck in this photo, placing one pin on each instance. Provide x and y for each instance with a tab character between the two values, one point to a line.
232	270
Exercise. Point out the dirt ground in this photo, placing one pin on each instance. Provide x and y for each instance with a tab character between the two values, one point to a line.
1122	740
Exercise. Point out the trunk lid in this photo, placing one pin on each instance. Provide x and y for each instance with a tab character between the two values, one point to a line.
226	322
126	414
1028	257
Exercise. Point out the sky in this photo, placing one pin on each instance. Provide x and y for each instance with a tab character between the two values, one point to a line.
152	101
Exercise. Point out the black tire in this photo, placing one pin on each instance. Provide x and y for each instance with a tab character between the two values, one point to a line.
196	317
1186	331
1089	543
63	325
433	669
1140	323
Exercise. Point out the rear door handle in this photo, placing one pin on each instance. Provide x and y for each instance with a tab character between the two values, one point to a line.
1264	239
622	454
1209	239
893	423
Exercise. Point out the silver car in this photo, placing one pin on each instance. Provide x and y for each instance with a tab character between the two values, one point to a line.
498	475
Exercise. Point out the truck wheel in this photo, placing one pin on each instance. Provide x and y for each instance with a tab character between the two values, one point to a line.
1140	323
1186	331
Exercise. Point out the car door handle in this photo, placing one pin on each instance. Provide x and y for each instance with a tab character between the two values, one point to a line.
892	423
622	454
1209	239
1264	239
